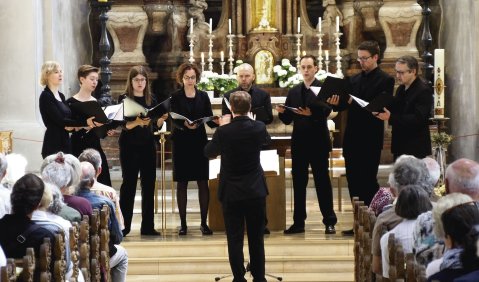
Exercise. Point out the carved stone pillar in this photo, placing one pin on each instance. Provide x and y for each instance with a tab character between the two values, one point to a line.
127	26
400	20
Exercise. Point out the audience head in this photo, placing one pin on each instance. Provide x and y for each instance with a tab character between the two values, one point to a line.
443	204
470	255
92	156
412	201
62	170
3	166
458	222
57	199
47	197
16	169
245	76
26	194
138	81
462	176
240	102
433	169
87	176
408	170
51	73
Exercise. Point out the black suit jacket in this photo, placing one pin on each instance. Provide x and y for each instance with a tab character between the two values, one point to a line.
410	112
309	132
239	144
259	99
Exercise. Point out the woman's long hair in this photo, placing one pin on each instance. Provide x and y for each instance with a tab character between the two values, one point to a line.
134	71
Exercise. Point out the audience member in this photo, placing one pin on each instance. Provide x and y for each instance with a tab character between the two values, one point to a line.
470	257
5	206
118	254
93	156
63	170
411	202
15	169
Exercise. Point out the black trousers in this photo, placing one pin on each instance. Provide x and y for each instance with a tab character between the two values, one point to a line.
235	214
361	172
301	159
136	159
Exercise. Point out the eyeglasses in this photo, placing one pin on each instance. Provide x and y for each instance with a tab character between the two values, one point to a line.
363	59
139	80
189	77
402	72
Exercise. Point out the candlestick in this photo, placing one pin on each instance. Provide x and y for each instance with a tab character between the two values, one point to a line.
211	25
222	64
222	56
439	83
339	72
230	52
210	52
202	62
298	50
320	48
192	46
229	26
299	25
319	25
326	60
337	23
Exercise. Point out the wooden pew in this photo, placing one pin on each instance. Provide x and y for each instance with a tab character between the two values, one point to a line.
356	204
74	253
104	240
59	255
8	272
84	247
44	261
414	272
396	260
95	246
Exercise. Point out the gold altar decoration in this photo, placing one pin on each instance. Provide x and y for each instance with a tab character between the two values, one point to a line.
264	16
263	64
6	142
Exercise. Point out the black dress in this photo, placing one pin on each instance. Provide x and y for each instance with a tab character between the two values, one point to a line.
138	154
83	139
189	162
55	115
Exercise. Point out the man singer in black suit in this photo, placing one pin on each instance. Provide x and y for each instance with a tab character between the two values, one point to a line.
242	186
310	145
409	112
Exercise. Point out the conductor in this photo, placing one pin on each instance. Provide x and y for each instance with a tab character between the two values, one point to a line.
242	185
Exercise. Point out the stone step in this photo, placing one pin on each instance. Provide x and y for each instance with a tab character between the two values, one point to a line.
290	277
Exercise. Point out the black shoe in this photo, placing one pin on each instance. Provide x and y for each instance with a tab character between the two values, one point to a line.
205	230
151	232
349	232
294	229
125	232
330	229
266	231
183	231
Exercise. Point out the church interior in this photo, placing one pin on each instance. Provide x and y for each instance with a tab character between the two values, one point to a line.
217	36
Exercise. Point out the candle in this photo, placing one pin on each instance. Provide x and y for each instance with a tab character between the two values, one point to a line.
202	57
211	25
326	54
299	25
102	0
191	26
222	55
439	83
229	26
304	53
319	24
337	23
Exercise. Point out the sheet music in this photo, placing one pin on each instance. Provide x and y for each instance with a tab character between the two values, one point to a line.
228	105
360	101
315	89
114	112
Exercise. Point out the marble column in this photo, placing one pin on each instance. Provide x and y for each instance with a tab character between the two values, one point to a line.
460	38
400	20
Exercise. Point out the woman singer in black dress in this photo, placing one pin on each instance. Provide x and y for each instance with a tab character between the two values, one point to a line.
189	162
138	153
84	138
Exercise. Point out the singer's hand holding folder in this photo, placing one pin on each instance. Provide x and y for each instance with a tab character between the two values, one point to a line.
192	122
132	109
335	86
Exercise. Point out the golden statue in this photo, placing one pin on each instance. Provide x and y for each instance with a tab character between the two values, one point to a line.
263	64
266	17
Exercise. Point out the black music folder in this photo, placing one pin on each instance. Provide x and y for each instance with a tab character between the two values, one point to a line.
132	109
376	105
192	122
90	109
335	86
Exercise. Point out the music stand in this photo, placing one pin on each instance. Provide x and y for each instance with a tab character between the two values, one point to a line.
248	269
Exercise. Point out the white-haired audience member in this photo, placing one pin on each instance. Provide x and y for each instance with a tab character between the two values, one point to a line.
16	169
434	170
93	156
411	202
5	206
118	254
63	170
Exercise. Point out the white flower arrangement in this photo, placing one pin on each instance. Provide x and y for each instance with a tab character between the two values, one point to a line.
219	82
287	75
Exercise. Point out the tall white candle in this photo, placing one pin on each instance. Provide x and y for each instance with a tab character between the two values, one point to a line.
202	57
211	25
319	24
326	54
222	55
439	83
299	25
229	26
191	26
337	23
